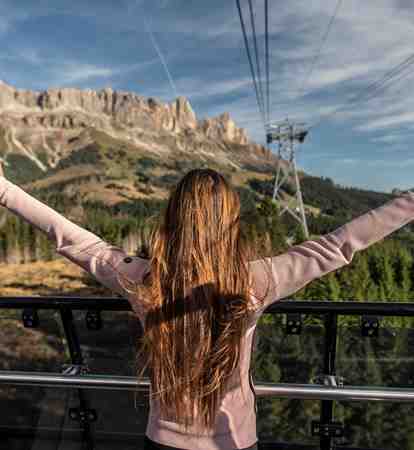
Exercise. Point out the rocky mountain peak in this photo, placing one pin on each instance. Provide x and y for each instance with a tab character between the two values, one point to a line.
73	108
224	128
47	126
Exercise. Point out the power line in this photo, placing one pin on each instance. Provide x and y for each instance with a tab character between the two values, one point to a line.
252	22
246	44
267	61
319	51
391	75
368	93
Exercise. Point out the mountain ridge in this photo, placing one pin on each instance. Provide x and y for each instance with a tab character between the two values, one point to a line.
52	134
72	107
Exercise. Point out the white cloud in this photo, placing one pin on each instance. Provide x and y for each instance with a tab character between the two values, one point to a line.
60	71
401	163
14	12
69	72
30	55
366	40
82	72
388	122
195	88
333	75
390	138
349	161
4	25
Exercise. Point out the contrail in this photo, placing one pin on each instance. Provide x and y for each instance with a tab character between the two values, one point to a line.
161	56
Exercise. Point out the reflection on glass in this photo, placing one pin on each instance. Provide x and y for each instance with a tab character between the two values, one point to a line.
285	420
41	348
287	358
383	360
111	349
382	425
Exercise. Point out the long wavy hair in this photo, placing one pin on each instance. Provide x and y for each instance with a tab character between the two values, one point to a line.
197	295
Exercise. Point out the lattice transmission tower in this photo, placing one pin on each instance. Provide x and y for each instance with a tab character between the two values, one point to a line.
288	135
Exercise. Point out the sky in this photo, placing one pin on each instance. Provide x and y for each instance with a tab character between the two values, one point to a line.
165	48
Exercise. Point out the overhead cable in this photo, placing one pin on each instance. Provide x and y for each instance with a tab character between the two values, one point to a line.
321	45
246	43
267	62
397	73
394	74
256	51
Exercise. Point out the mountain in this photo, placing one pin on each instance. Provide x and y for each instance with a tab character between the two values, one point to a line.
109	145
114	146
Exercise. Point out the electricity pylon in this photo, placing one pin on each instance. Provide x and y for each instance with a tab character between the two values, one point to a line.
288	135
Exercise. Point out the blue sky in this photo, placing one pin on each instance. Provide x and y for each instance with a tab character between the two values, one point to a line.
102	43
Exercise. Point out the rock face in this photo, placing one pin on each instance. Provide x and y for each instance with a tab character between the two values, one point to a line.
223	128
48	126
74	108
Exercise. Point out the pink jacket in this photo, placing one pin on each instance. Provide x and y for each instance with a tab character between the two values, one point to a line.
236	421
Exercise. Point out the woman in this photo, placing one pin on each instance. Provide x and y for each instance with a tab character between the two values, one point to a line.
199	297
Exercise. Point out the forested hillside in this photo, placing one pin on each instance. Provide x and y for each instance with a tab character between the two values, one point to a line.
382	272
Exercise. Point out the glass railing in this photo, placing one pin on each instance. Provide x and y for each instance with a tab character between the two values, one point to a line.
326	374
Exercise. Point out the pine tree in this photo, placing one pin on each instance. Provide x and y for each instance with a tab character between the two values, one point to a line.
402	266
271	222
382	273
299	234
387	280
325	288
355	280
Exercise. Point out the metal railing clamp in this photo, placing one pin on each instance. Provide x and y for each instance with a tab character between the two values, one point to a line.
75	369
328	380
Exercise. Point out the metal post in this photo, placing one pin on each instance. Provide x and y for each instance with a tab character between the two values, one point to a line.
77	359
329	369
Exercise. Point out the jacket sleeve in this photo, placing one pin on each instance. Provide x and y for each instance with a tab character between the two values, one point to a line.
292	270
100	259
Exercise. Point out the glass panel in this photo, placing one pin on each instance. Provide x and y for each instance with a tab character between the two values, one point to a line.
32	349
286	420
386	360
385	425
287	358
120	417
112	349
38	419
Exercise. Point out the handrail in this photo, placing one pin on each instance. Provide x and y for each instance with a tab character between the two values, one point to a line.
287	390
328	391
74	303
346	307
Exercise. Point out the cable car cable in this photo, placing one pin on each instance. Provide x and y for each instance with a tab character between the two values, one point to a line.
321	45
392	74
374	88
267	62
246	43
368	93
256	51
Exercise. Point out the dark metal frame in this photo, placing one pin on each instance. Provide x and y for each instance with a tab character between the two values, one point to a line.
76	375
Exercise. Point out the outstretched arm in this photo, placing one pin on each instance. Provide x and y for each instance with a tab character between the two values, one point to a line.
312	259
80	246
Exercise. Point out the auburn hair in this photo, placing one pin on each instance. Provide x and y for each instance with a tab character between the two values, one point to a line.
197	295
